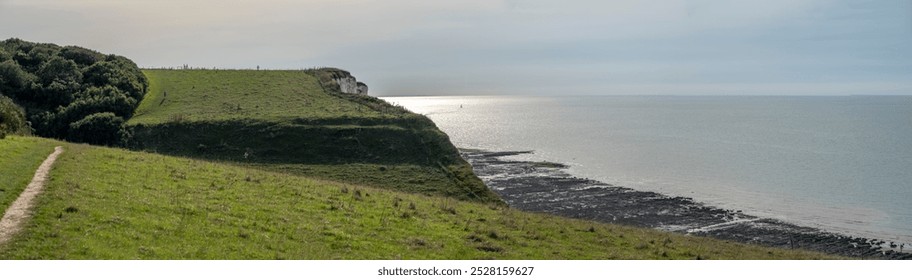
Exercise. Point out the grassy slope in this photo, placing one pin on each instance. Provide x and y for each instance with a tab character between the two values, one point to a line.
19	158
286	121
213	95
104	203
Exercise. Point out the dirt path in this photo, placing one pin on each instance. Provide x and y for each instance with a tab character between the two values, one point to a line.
18	212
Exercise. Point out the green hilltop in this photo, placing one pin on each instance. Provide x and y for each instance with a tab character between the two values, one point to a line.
222	95
299	122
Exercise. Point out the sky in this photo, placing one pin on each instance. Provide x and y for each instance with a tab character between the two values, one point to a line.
490	47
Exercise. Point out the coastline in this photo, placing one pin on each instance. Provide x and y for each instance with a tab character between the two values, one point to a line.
546	187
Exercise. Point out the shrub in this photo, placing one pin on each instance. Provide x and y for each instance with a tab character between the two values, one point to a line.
99	129
59	86
4	55
31	55
12	118
97	100
106	73
13	79
80	55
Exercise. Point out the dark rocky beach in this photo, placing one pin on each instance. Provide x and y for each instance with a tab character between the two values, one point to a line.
546	187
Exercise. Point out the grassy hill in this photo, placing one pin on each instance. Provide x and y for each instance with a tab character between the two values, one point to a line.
299	122
104	203
219	95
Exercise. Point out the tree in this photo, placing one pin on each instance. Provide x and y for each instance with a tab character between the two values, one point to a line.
97	100
81	56
59	69
13	80
31	56
45	123
110	73
59	79
61	87
4	55
132	73
99	129
12	118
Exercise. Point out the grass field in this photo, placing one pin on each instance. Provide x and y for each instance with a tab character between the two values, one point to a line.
401	177
298	122
19	158
104	203
217	95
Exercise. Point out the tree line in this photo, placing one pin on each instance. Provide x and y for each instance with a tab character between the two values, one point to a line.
69	92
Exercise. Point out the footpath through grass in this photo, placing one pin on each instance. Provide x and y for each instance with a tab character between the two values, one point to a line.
19	158
104	203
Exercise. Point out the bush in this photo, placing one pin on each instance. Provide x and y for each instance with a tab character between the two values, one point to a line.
4	55
31	56
97	100
80	55
12	118
13	80
109	73
99	129
59	86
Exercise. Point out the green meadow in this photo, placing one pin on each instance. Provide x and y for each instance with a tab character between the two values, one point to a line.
298	122
19	158
106	203
219	95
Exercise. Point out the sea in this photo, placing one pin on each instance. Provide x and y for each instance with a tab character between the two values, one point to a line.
837	163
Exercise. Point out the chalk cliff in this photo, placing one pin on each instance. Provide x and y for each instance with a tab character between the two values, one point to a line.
348	83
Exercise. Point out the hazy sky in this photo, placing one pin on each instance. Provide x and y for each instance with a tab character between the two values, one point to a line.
426	47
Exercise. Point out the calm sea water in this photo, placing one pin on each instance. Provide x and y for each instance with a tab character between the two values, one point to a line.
843	164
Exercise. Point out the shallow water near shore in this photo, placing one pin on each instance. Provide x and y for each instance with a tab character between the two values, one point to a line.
839	163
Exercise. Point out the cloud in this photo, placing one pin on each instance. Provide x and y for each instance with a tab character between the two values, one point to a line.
299	29
510	46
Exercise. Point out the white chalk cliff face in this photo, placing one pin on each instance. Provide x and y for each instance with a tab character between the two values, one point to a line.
362	88
350	85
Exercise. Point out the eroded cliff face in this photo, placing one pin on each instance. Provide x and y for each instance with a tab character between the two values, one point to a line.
362	88
348	84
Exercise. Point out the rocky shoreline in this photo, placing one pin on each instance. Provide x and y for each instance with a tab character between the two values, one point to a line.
546	187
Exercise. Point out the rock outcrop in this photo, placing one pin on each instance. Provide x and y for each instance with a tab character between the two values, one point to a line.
362	88
348	84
